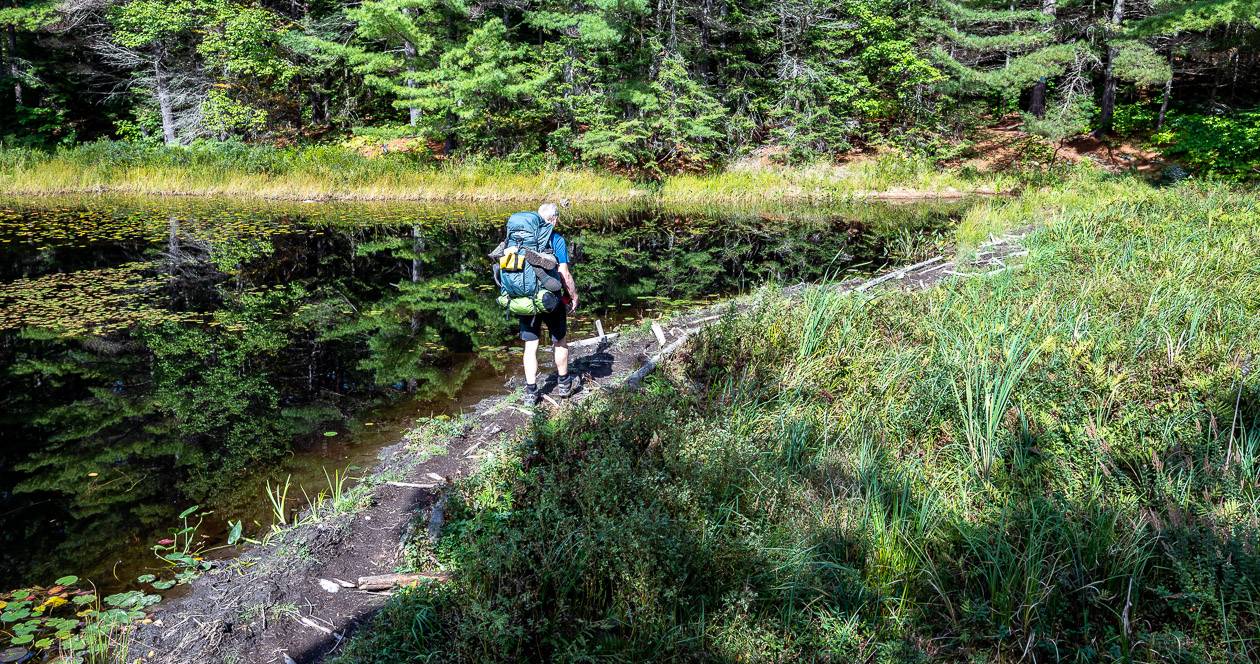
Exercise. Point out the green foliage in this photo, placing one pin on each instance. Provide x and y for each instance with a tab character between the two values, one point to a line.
1065	120
1222	145
1139	64
487	91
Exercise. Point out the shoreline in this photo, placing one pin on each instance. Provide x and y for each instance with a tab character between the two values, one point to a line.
896	195
349	177
405	494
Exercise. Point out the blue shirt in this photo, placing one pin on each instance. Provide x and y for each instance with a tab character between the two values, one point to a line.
560	248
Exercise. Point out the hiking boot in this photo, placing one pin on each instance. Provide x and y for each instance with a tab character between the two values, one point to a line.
531	397
567	388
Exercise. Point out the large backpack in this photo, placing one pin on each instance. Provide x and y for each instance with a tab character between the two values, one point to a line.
521	288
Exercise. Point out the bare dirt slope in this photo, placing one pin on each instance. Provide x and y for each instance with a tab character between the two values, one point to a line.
1004	146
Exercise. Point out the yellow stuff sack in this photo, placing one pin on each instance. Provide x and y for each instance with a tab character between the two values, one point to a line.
511	261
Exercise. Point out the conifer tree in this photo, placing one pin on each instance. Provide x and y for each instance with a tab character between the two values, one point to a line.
999	52
22	16
394	42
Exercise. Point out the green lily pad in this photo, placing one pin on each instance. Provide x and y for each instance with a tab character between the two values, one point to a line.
67	580
14	616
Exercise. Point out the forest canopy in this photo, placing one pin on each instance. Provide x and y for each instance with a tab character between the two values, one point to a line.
655	85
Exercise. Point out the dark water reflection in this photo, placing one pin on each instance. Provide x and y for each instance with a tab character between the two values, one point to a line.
157	355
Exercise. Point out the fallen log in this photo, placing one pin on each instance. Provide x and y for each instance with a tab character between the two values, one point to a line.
388	581
412	485
897	274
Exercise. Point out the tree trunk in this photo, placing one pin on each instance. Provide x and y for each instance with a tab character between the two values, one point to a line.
1037	101
14	69
409	52
319	108
1108	106
1163	105
164	103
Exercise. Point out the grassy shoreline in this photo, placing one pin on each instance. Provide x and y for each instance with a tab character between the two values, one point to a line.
1061	458
329	173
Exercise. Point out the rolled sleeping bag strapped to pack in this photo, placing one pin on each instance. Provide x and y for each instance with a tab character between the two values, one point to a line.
542	302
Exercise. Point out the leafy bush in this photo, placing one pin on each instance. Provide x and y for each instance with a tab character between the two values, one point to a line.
1226	146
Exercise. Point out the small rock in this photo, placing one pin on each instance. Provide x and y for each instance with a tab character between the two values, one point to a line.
329	585
287	659
343	583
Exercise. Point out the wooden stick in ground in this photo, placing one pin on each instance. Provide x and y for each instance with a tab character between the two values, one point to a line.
660	334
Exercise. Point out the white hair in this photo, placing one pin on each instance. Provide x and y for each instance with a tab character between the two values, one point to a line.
548	211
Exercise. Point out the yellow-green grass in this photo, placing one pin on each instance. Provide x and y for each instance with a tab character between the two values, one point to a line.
1060	460
458	182
334	173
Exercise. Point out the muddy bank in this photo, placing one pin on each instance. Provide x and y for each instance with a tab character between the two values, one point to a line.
293	599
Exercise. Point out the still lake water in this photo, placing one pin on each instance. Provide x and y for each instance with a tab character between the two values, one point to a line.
157	354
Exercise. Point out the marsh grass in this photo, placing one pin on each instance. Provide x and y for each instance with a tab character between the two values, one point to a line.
324	172
793	489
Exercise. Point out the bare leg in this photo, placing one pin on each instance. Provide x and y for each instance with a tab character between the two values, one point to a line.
561	349
531	361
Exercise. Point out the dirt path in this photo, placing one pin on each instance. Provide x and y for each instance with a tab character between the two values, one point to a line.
268	605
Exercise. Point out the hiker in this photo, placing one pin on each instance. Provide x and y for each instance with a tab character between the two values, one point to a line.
532	271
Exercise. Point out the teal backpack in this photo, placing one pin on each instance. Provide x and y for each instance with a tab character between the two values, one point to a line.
524	288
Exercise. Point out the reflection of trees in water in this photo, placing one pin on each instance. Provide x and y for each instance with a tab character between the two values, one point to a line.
297	328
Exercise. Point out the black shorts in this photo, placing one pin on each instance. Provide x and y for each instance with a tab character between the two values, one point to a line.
557	323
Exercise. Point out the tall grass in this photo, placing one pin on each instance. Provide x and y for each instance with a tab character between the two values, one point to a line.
793	489
334	172
312	172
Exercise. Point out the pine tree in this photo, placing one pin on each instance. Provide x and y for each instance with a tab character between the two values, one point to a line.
999	52
22	16
394	43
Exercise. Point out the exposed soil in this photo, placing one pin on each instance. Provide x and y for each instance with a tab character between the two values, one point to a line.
268	605
1006	145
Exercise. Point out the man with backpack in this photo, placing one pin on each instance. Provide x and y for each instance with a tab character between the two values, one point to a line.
536	285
